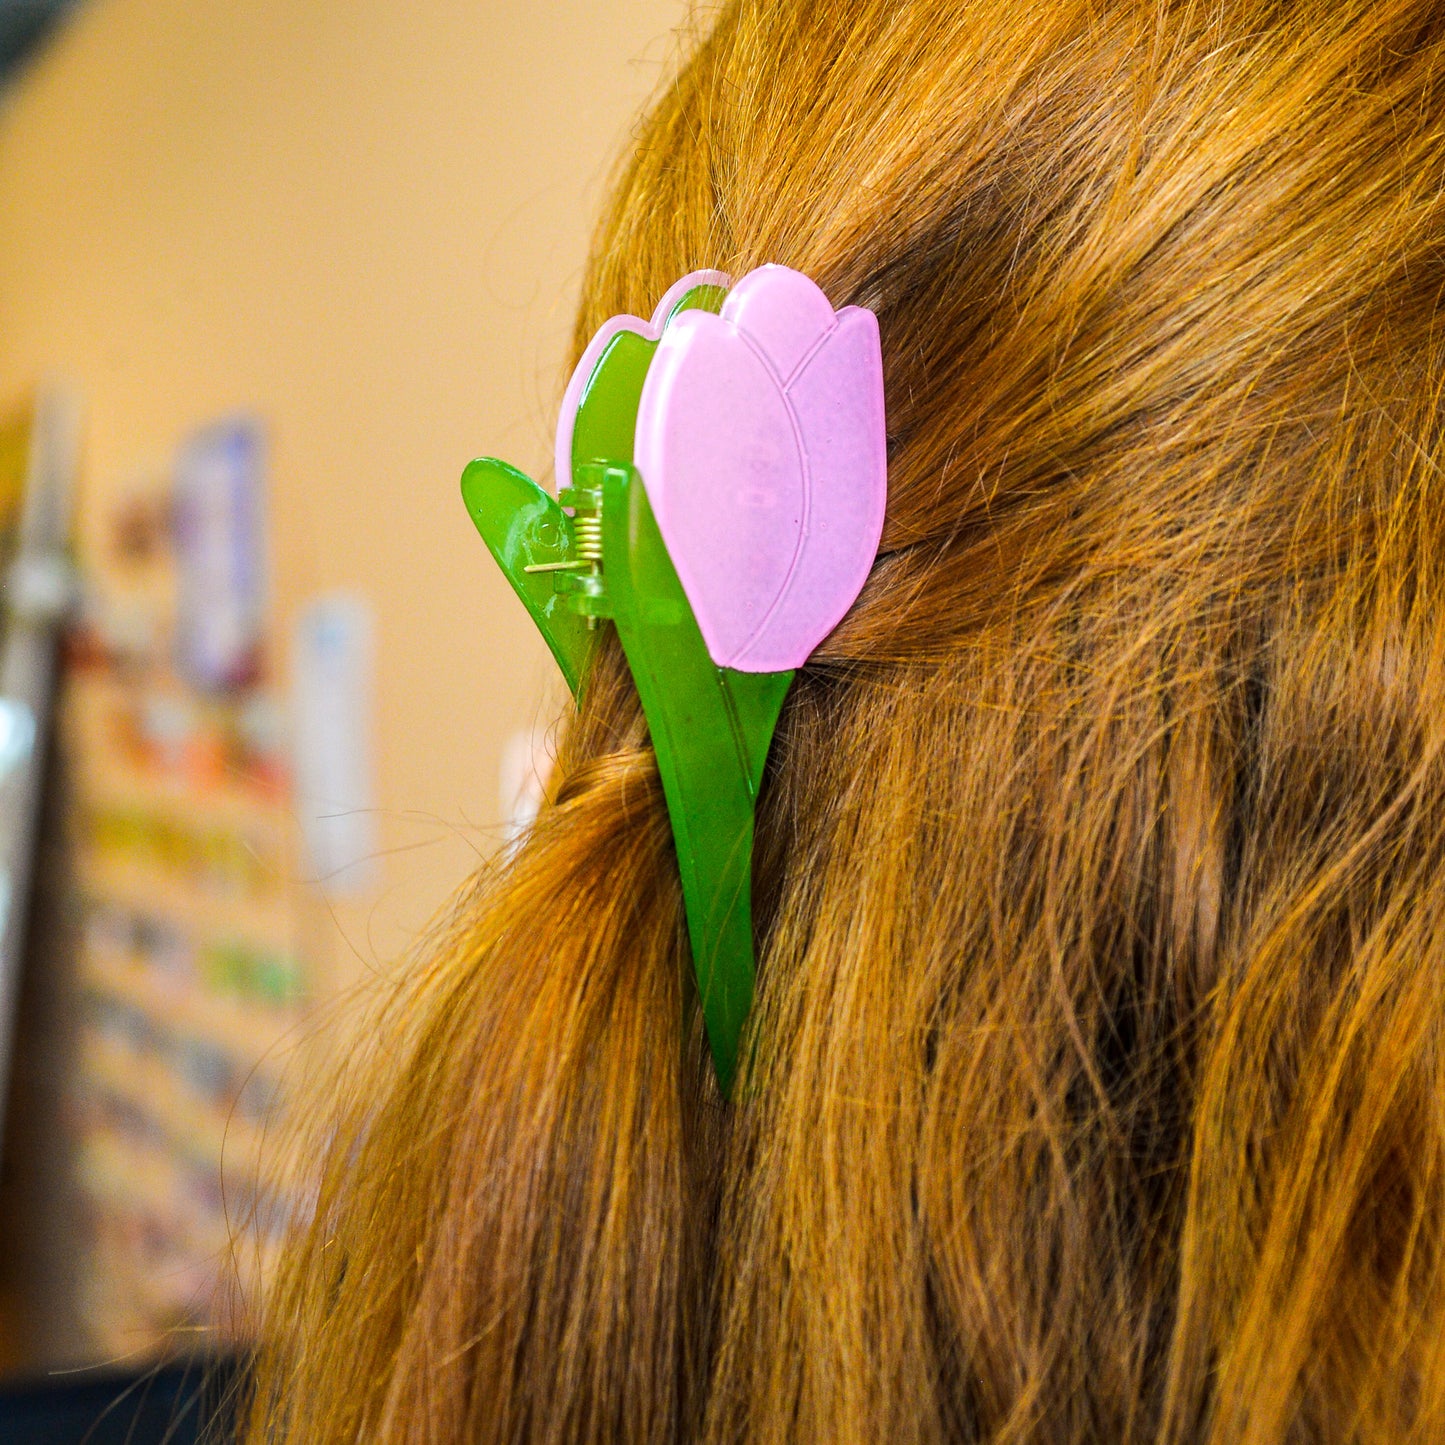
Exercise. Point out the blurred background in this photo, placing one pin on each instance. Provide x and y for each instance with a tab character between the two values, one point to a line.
271	273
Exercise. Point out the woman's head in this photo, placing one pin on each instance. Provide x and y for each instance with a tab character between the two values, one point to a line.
1096	1080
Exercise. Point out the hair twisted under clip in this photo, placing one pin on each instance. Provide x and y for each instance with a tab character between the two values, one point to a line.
604	751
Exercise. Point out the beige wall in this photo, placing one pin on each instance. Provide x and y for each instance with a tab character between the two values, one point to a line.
365	219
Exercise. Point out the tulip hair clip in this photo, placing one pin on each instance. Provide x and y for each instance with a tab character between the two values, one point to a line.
722	475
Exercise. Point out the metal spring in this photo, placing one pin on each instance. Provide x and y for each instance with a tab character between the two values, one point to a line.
587	534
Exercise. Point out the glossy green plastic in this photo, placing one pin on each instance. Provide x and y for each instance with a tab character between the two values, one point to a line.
711	727
523	528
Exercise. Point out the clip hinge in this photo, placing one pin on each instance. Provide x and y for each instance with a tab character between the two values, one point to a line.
580	578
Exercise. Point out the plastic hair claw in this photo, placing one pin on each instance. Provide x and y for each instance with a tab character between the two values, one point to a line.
722	476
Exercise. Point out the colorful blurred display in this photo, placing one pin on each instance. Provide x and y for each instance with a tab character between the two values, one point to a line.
191	973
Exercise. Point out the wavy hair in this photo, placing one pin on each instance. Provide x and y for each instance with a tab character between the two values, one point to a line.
1097	1071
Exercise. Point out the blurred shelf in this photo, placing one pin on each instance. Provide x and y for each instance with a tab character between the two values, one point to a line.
135	1307
106	773
142	1298
131	1175
246	1031
263	922
225	806
222	1137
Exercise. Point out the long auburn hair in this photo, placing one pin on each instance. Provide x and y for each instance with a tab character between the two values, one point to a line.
1097	1073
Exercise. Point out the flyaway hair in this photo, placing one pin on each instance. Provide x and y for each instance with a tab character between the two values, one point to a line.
1095	1086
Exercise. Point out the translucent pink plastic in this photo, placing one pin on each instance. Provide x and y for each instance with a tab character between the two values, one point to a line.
762	445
